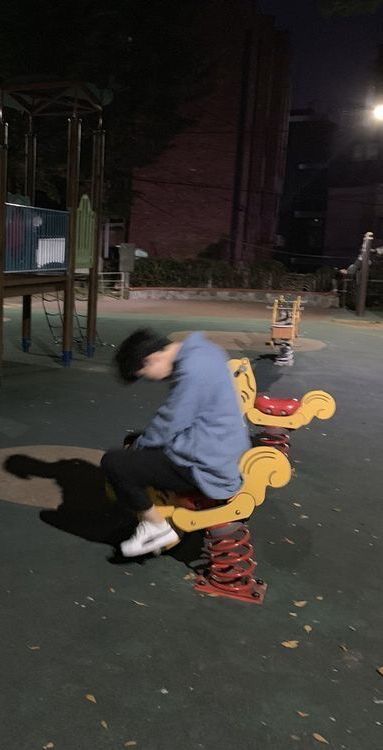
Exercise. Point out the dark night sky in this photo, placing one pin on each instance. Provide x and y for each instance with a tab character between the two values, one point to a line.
332	58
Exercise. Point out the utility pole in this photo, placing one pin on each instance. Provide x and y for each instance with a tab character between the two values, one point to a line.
363	277
234	245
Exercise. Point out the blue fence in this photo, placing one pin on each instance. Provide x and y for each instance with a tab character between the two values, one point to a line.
36	239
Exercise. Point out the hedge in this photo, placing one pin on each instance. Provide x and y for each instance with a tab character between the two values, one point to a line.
166	272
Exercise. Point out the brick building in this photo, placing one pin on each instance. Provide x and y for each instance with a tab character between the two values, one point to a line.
221	178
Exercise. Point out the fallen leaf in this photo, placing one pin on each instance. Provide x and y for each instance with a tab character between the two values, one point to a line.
302	714
34	648
297	505
303	516
130	743
112	590
307	628
300	604
343	647
104	724
290	644
320	598
380	670
140	604
294	737
293	614
189	577
319	738
286	539
48	746
90	698
164	691
337	510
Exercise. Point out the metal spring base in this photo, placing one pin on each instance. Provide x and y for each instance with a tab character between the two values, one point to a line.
277	438
230	565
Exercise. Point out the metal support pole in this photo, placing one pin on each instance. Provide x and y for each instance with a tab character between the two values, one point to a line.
27	323
3	198
29	190
73	174
96	198
343	292
30	141
363	280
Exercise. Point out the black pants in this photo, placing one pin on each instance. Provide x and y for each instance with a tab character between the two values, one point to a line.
131	471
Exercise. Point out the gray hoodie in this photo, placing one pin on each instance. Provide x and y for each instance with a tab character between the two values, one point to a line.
200	425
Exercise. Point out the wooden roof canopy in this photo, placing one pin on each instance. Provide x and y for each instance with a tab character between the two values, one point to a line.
53	98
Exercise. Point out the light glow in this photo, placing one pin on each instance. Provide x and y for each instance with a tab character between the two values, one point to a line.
378	112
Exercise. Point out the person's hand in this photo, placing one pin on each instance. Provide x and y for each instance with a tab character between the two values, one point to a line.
130	439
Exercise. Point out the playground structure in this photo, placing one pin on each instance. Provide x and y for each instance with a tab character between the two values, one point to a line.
277	415
40	249
53	307
285	320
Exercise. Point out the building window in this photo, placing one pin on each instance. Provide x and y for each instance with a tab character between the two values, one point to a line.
303	166
365	152
379	227
372	151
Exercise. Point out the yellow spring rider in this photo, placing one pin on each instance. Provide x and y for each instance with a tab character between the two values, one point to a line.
229	554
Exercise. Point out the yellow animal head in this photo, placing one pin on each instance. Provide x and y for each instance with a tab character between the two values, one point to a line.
244	383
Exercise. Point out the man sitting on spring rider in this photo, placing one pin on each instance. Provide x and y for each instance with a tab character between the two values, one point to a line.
192	445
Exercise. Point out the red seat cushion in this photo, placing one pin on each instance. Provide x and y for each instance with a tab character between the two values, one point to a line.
197	502
277	407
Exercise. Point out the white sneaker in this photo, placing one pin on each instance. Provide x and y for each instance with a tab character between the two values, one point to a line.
149	537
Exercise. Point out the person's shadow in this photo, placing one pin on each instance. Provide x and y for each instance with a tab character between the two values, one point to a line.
85	509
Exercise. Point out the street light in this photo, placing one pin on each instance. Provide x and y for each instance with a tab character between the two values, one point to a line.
378	112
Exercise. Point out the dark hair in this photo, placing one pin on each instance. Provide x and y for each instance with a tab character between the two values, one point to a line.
131	353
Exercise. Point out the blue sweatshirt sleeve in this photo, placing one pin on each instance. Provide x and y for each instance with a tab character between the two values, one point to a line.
177	413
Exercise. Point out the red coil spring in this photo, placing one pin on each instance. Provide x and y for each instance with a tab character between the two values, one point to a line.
280	440
230	562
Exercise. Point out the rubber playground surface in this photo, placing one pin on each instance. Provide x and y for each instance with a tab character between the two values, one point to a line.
98	655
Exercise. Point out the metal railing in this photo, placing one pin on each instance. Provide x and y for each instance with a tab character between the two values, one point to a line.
111	283
36	239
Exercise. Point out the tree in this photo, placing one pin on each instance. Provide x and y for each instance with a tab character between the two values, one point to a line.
349	7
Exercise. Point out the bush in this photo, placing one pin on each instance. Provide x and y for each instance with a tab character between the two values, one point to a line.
189	273
324	279
266	275
206	272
